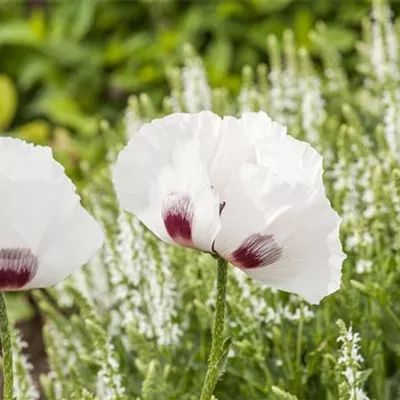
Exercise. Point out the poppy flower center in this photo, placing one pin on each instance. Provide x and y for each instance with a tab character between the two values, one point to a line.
256	251
17	268
178	214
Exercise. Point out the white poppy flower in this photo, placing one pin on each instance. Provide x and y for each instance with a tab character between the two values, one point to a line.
45	233
240	188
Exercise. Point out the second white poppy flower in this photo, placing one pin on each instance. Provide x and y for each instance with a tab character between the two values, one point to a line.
240	188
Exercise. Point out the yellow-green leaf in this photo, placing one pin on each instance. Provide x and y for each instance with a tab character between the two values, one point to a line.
37	131
8	101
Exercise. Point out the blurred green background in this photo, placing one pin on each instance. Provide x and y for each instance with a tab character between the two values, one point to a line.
65	65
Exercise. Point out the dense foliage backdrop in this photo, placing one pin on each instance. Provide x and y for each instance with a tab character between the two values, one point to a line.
65	65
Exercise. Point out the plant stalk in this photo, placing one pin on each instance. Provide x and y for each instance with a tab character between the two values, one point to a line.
5	338
217	348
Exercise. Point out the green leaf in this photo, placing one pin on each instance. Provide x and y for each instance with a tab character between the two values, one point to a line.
219	57
19	308
8	101
270	6
34	71
18	33
64	110
36	132
226	346
37	23
280	394
303	24
364	375
84	19
339	37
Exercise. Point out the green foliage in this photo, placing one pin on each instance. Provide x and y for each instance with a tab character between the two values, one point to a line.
135	322
281	395
8	101
74	63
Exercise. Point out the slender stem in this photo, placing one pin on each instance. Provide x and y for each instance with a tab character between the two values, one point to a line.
299	343
213	368
5	337
298	350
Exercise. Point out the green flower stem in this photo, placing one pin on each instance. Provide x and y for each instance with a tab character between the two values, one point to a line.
5	337
217	346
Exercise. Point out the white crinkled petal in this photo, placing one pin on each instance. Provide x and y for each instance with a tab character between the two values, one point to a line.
151	149
294	160
259	125
21	161
161	176
293	230
37	204
32	208
233	148
68	245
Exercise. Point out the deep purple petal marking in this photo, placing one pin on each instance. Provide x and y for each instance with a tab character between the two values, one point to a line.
17	268
256	251
178	214
221	207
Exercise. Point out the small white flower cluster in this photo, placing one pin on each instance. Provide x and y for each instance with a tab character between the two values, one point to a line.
262	305
109	381
355	182
277	94
80	280
378	48
384	46
358	240
24	388
293	86
247	98
350	361
143	287
363	266
382	59
196	90
391	119
353	179
63	349
312	107
56	384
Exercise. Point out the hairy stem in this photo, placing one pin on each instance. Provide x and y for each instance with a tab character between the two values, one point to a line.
5	337
217	348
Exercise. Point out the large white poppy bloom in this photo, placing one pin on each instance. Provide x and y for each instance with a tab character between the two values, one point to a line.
240	188
45	233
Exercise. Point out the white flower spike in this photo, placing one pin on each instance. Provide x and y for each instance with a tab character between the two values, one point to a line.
45	233
240	188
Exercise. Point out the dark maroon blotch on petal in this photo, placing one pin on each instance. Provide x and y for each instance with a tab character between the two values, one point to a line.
178	214
17	268
256	251
221	207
